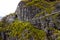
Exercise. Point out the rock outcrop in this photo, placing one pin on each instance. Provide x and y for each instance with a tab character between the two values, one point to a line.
28	13
45	21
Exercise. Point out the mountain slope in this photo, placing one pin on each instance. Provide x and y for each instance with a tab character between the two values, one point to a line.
43	16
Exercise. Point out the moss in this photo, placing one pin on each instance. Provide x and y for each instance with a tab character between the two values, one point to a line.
18	28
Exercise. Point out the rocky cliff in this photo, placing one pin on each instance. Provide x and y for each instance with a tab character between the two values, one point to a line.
34	13
42	14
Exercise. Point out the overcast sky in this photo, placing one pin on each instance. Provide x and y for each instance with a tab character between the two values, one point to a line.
8	6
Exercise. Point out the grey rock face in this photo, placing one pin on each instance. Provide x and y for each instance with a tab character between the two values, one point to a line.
26	13
9	18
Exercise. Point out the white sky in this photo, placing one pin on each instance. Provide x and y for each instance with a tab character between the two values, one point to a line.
8	6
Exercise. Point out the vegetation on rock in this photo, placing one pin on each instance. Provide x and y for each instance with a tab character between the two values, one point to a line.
11	28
